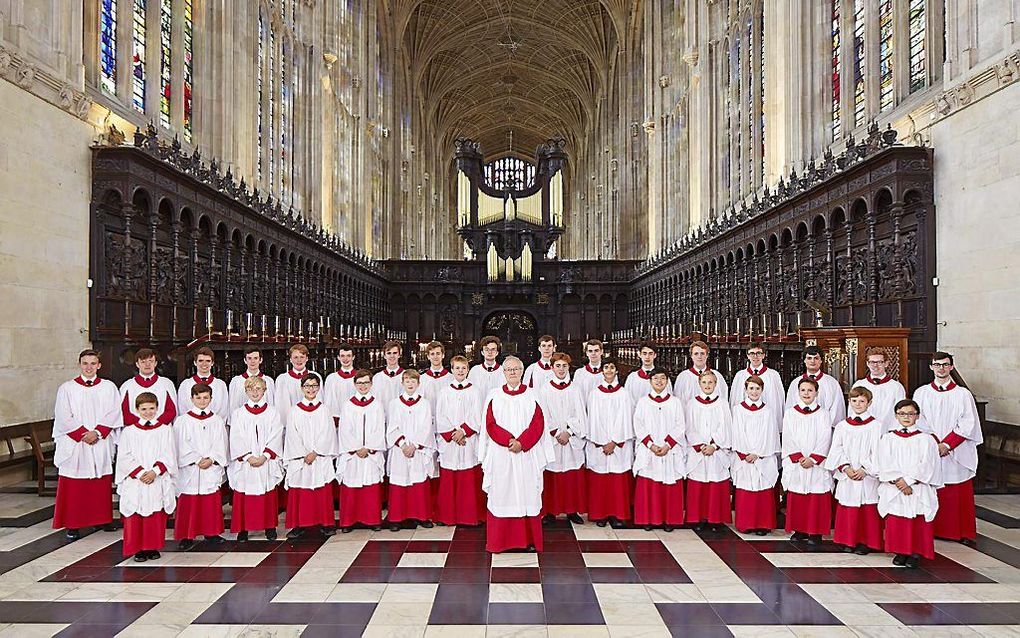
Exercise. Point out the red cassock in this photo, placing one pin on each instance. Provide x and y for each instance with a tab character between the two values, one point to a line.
657	503
754	510
361	505
460	500
565	492
708	502
310	507
909	536
83	502
254	512
809	513
144	533
198	515
858	525
956	518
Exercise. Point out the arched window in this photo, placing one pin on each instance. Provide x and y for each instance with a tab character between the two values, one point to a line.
165	60
108	45
509	174
138	56
743	111
837	121
918	28
189	70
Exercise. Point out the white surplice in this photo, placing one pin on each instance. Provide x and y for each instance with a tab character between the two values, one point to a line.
912	455
220	396
754	431
952	410
610	418
586	378
310	429
255	430
459	406
538	374
806	434
432	382
85	404
288	391
855	444
362	425
885	393
830	396
659	420
238	397
339	386
638	384
162	387
486	379
200	434
773	394
142	448
708	422
687	386
564	412
409	420
387	385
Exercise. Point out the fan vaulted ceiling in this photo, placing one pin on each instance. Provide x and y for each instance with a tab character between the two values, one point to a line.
481	68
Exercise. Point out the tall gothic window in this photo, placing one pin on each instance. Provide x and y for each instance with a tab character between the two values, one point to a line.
837	121
138	56
917	26
860	64
885	55
165	61
108	45
189	26
260	37
509	174
743	113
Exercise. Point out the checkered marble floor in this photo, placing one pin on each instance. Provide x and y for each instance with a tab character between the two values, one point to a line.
589	581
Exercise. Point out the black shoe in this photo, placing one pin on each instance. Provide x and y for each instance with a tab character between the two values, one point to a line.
376	528
648	528
699	527
395	527
529	548
616	523
271	534
185	544
109	527
899	560
913	561
215	540
72	534
601	522
548	519
575	518
141	557
814	540
846	549
862	550
297	532
667	528
327	531
798	537
347	530
242	537
426	524
761	532
153	555
969	542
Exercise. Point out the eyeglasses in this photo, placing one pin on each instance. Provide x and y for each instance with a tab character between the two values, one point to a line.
362	383
907	414
513	369
940	365
310	385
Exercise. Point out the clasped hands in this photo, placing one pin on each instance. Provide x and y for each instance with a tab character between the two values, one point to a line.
91	437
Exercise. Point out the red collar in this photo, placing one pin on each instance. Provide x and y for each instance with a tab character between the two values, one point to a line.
437	375
593	370
346	375
644	375
813	378
488	369
258	409
358	401
558	385
544	366
752	408
393	374
703	401
757	373
299	375
87	384
662	399
698	374
951	386
140	380
207	380
200	417
520	390
308	408
245	375
906	434
807	410
142	426
461	387
410	402
856	420
886	379
610	390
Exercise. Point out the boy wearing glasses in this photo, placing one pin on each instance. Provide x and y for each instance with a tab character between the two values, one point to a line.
951	415
309	451
887	391
907	465
771	392
411	437
288	384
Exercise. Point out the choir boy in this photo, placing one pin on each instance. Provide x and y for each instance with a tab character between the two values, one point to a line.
754	439
361	463
460	500
309	454
610	450
85	414
887	392
288	384
639	381
411	437
386	384
830	393
660	457
340	384
807	434
204	359
773	394
951	415
253	365
688	382
541	371
147	380
146	466
256	467
487	375
590	374
907	464
708	462
435	377
851	459
566	420
201	437
515	450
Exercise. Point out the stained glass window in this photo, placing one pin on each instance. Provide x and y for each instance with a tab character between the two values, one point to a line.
837	122
138	56
509	174
284	138
188	67
108	45
738	142
761	71
749	105
259	37
271	91
885	55
917	27
860	63
165	59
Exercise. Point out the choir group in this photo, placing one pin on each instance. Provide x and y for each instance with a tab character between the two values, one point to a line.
514	448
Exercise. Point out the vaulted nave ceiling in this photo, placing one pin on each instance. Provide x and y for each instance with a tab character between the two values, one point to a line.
469	80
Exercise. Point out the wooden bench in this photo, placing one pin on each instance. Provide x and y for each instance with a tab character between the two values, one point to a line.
39	437
995	459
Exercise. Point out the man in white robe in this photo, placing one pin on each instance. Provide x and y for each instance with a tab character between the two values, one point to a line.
687	385
536	374
361	464
487	375
774	392
660	461
460	500
340	384
256	466
639	382
203	359
147	380
201	437
949	412
253	365
386	384
887	392
610	451
309	454
410	457
85	415
755	443
590	374
830	392
566	421
807	435
515	451
288	384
